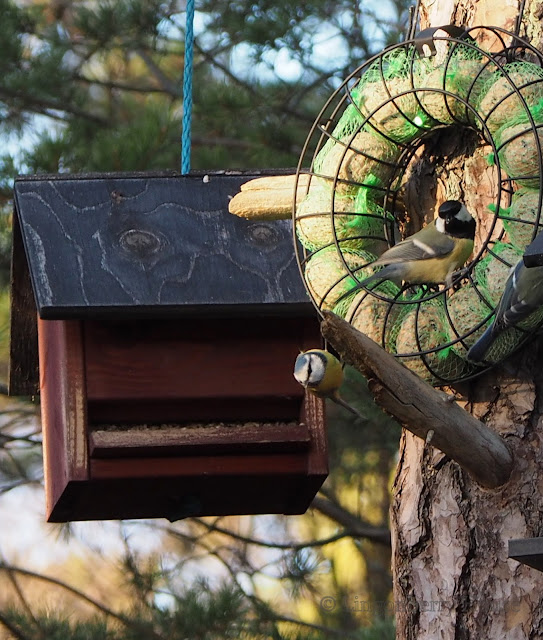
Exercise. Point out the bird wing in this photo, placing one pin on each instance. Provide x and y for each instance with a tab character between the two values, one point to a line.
423	245
521	297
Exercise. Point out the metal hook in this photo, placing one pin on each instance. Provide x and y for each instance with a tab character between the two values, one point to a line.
520	15
414	11
425	38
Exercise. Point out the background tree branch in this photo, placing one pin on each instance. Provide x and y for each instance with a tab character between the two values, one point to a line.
357	527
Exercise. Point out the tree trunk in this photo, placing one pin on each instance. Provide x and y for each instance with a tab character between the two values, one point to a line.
452	576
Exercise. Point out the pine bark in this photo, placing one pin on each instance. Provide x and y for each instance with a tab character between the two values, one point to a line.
451	574
452	577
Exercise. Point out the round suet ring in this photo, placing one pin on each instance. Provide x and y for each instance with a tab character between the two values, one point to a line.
360	150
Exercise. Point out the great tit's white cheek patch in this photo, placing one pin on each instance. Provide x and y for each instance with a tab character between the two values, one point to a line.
440	225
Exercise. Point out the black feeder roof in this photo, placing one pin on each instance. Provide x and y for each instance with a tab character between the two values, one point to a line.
141	245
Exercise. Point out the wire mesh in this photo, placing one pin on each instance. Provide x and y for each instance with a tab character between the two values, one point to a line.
359	151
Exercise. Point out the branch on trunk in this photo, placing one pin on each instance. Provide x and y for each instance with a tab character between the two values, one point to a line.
421	409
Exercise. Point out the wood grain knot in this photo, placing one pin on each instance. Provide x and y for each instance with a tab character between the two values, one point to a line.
263	236
140	243
117	196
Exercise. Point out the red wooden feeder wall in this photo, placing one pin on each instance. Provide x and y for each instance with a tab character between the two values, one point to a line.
167	332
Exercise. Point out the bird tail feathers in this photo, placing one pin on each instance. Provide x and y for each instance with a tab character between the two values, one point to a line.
339	400
477	352
376	278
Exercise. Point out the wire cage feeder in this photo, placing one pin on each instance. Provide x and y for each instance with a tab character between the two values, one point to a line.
359	150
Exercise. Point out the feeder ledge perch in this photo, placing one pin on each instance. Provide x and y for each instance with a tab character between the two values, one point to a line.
421	409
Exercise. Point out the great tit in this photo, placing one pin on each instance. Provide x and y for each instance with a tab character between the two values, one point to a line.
521	306
321	373
432	254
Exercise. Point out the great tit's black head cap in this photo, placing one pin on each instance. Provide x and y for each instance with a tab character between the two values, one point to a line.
449	208
456	220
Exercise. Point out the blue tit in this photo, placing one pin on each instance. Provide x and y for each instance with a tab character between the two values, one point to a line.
432	254
321	373
521	306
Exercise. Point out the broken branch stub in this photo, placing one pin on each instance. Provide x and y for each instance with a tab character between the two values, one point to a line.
420	408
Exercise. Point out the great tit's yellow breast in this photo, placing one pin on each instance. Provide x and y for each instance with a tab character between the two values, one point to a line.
437	269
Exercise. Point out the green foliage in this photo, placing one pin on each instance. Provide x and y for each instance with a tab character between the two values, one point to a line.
54	627
270	26
126	22
207	617
380	630
5	262
202	613
354	440
109	74
145	139
35	76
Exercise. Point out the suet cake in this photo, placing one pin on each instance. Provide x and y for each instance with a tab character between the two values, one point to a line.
328	281
491	273
500	104
519	153
525	212
427	329
372	315
352	158
466	310
462	78
317	226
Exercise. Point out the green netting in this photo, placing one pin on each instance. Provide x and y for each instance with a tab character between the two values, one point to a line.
370	313
377	226
393	64
322	214
505	343
518	147
344	163
424	326
359	223
520	219
328	280
491	272
464	75
499	104
401	118
349	124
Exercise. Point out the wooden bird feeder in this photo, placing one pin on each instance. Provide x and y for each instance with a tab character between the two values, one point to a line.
167	330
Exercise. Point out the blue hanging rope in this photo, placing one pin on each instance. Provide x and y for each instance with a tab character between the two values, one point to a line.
187	89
